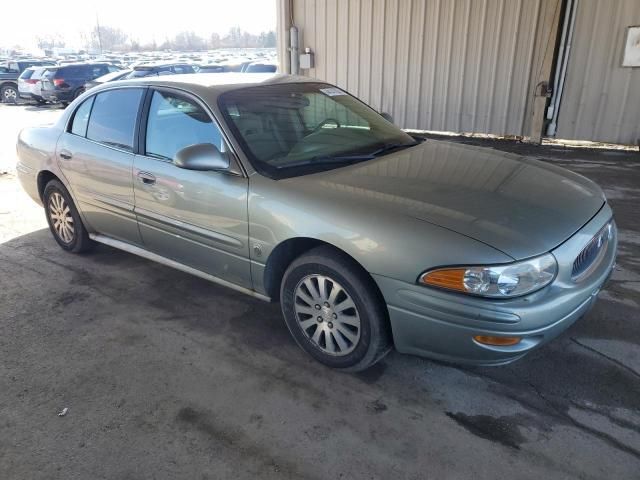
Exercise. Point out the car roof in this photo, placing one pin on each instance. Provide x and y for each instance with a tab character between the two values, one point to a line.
80	64
208	86
38	67
217	82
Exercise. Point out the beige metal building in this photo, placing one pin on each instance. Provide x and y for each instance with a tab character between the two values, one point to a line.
527	68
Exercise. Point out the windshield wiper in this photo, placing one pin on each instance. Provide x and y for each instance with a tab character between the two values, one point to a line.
348	159
328	159
391	146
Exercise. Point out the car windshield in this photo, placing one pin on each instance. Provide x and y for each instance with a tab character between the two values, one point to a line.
301	128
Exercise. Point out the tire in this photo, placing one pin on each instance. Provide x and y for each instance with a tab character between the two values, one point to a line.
64	220
9	94
79	92
358	336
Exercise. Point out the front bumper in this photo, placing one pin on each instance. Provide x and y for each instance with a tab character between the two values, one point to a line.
441	325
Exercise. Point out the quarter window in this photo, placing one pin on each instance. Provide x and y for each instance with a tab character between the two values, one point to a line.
175	123
81	118
113	117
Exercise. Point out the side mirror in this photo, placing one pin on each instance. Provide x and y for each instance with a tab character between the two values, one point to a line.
202	156
387	117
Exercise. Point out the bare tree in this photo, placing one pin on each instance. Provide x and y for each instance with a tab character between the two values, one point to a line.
108	38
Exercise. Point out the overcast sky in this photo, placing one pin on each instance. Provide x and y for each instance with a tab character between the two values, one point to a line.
143	21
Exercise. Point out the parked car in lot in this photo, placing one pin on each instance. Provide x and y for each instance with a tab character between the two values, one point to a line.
211	68
259	67
29	85
9	73
290	189
160	68
62	84
109	77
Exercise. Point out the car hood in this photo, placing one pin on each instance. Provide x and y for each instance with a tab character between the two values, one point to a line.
515	204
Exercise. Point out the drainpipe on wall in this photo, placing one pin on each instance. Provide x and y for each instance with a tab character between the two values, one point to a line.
561	67
294	50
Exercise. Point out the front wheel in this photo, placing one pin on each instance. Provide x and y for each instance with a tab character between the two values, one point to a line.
64	220
334	310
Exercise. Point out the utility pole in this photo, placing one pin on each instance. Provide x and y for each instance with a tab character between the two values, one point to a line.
99	33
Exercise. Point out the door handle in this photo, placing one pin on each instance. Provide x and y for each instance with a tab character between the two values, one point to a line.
65	154
146	178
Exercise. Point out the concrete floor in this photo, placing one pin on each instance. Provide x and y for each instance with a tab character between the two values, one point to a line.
168	376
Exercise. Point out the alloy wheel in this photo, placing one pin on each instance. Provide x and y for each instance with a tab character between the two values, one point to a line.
327	315
61	218
10	95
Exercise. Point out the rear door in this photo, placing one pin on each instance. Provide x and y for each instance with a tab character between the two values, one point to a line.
96	154
198	218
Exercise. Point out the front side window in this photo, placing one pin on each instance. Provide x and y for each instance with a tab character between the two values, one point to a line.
300	128
113	117
81	118
176	122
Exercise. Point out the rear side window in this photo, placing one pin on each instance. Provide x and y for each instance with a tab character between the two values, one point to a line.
81	118
113	117
176	122
26	74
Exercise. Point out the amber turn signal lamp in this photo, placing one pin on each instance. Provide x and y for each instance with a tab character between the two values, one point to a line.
497	341
450	278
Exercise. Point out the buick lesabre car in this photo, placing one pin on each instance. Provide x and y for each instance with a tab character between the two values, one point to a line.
292	190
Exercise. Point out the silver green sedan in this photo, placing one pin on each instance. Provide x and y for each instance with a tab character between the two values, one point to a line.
292	190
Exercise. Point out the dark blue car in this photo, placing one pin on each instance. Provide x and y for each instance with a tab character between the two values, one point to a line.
64	83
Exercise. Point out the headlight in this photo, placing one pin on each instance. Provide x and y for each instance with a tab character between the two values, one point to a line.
497	281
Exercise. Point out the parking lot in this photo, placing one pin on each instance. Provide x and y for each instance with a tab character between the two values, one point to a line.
168	376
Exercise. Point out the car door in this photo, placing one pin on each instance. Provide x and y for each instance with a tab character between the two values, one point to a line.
198	218
96	155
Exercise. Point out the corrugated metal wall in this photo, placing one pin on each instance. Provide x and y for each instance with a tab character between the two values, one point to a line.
601	100
447	65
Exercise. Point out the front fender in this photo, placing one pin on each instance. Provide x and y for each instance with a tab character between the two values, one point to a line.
384	243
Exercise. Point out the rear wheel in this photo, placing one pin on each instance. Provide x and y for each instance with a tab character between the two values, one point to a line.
9	94
334	311
64	220
79	92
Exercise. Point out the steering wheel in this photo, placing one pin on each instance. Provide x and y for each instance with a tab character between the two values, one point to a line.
326	121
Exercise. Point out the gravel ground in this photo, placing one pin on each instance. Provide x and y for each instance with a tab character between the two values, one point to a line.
167	376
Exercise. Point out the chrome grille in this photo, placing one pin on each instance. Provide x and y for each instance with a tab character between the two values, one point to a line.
590	256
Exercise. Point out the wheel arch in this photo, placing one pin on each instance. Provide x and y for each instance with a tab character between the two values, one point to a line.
288	250
44	177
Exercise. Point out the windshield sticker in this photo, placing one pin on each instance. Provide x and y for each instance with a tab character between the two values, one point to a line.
332	92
